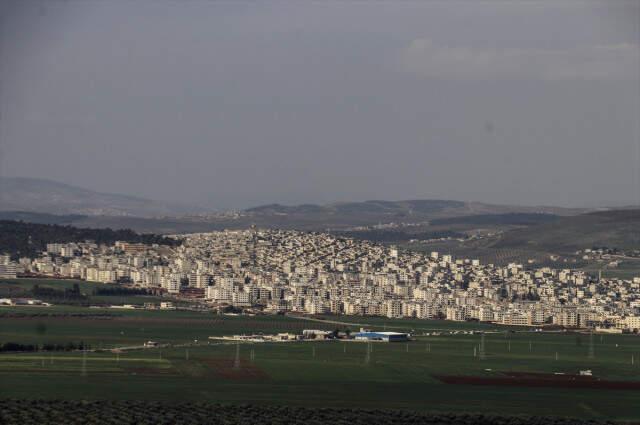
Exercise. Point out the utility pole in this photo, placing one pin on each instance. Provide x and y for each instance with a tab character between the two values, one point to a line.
236	362
84	363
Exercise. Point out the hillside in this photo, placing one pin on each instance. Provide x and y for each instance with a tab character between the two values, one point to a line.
561	237
517	219
309	217
375	207
40	195
408	208
367	213
41	218
616	228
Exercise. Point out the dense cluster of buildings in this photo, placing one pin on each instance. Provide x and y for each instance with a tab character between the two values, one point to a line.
317	273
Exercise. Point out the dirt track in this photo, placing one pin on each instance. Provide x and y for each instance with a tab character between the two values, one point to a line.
516	379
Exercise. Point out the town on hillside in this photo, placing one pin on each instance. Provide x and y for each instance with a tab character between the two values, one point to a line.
276	271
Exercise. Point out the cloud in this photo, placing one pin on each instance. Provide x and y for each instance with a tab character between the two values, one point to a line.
601	62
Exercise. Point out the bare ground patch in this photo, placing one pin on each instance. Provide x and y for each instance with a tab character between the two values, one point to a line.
228	369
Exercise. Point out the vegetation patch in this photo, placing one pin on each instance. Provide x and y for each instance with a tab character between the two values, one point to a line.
22	239
149	412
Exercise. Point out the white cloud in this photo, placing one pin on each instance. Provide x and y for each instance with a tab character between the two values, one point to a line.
604	62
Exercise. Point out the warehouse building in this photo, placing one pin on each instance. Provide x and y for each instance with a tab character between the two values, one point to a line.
365	335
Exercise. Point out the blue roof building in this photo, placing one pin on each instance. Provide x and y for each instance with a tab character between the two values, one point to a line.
381	336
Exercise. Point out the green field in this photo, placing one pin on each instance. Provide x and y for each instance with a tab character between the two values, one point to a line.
20	288
328	374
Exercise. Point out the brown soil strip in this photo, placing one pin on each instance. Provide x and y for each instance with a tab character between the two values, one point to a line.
514	379
225	369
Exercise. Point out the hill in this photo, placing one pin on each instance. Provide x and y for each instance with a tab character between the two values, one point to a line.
517	219
559	237
41	218
367	213
45	201
36	195
408	208
309	217
616	228
399	208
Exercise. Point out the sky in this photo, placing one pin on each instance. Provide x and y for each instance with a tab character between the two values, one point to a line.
237	104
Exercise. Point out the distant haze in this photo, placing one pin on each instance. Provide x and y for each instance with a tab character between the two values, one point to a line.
237	104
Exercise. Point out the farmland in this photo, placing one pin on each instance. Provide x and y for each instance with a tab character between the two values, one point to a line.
23	288
312	374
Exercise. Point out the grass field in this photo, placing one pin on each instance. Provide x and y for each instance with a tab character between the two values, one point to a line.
328	374
21	288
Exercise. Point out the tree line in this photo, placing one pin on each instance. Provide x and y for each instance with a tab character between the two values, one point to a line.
115	291
22	239
29	348
160	412
53	294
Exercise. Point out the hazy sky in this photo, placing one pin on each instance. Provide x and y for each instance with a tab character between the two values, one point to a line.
235	104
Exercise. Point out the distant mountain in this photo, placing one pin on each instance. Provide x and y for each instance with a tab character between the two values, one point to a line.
47	196
45	201
409	210
366	207
40	218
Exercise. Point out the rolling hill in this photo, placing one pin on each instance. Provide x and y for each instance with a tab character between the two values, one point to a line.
560	237
47	196
615	228
46	201
366	213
